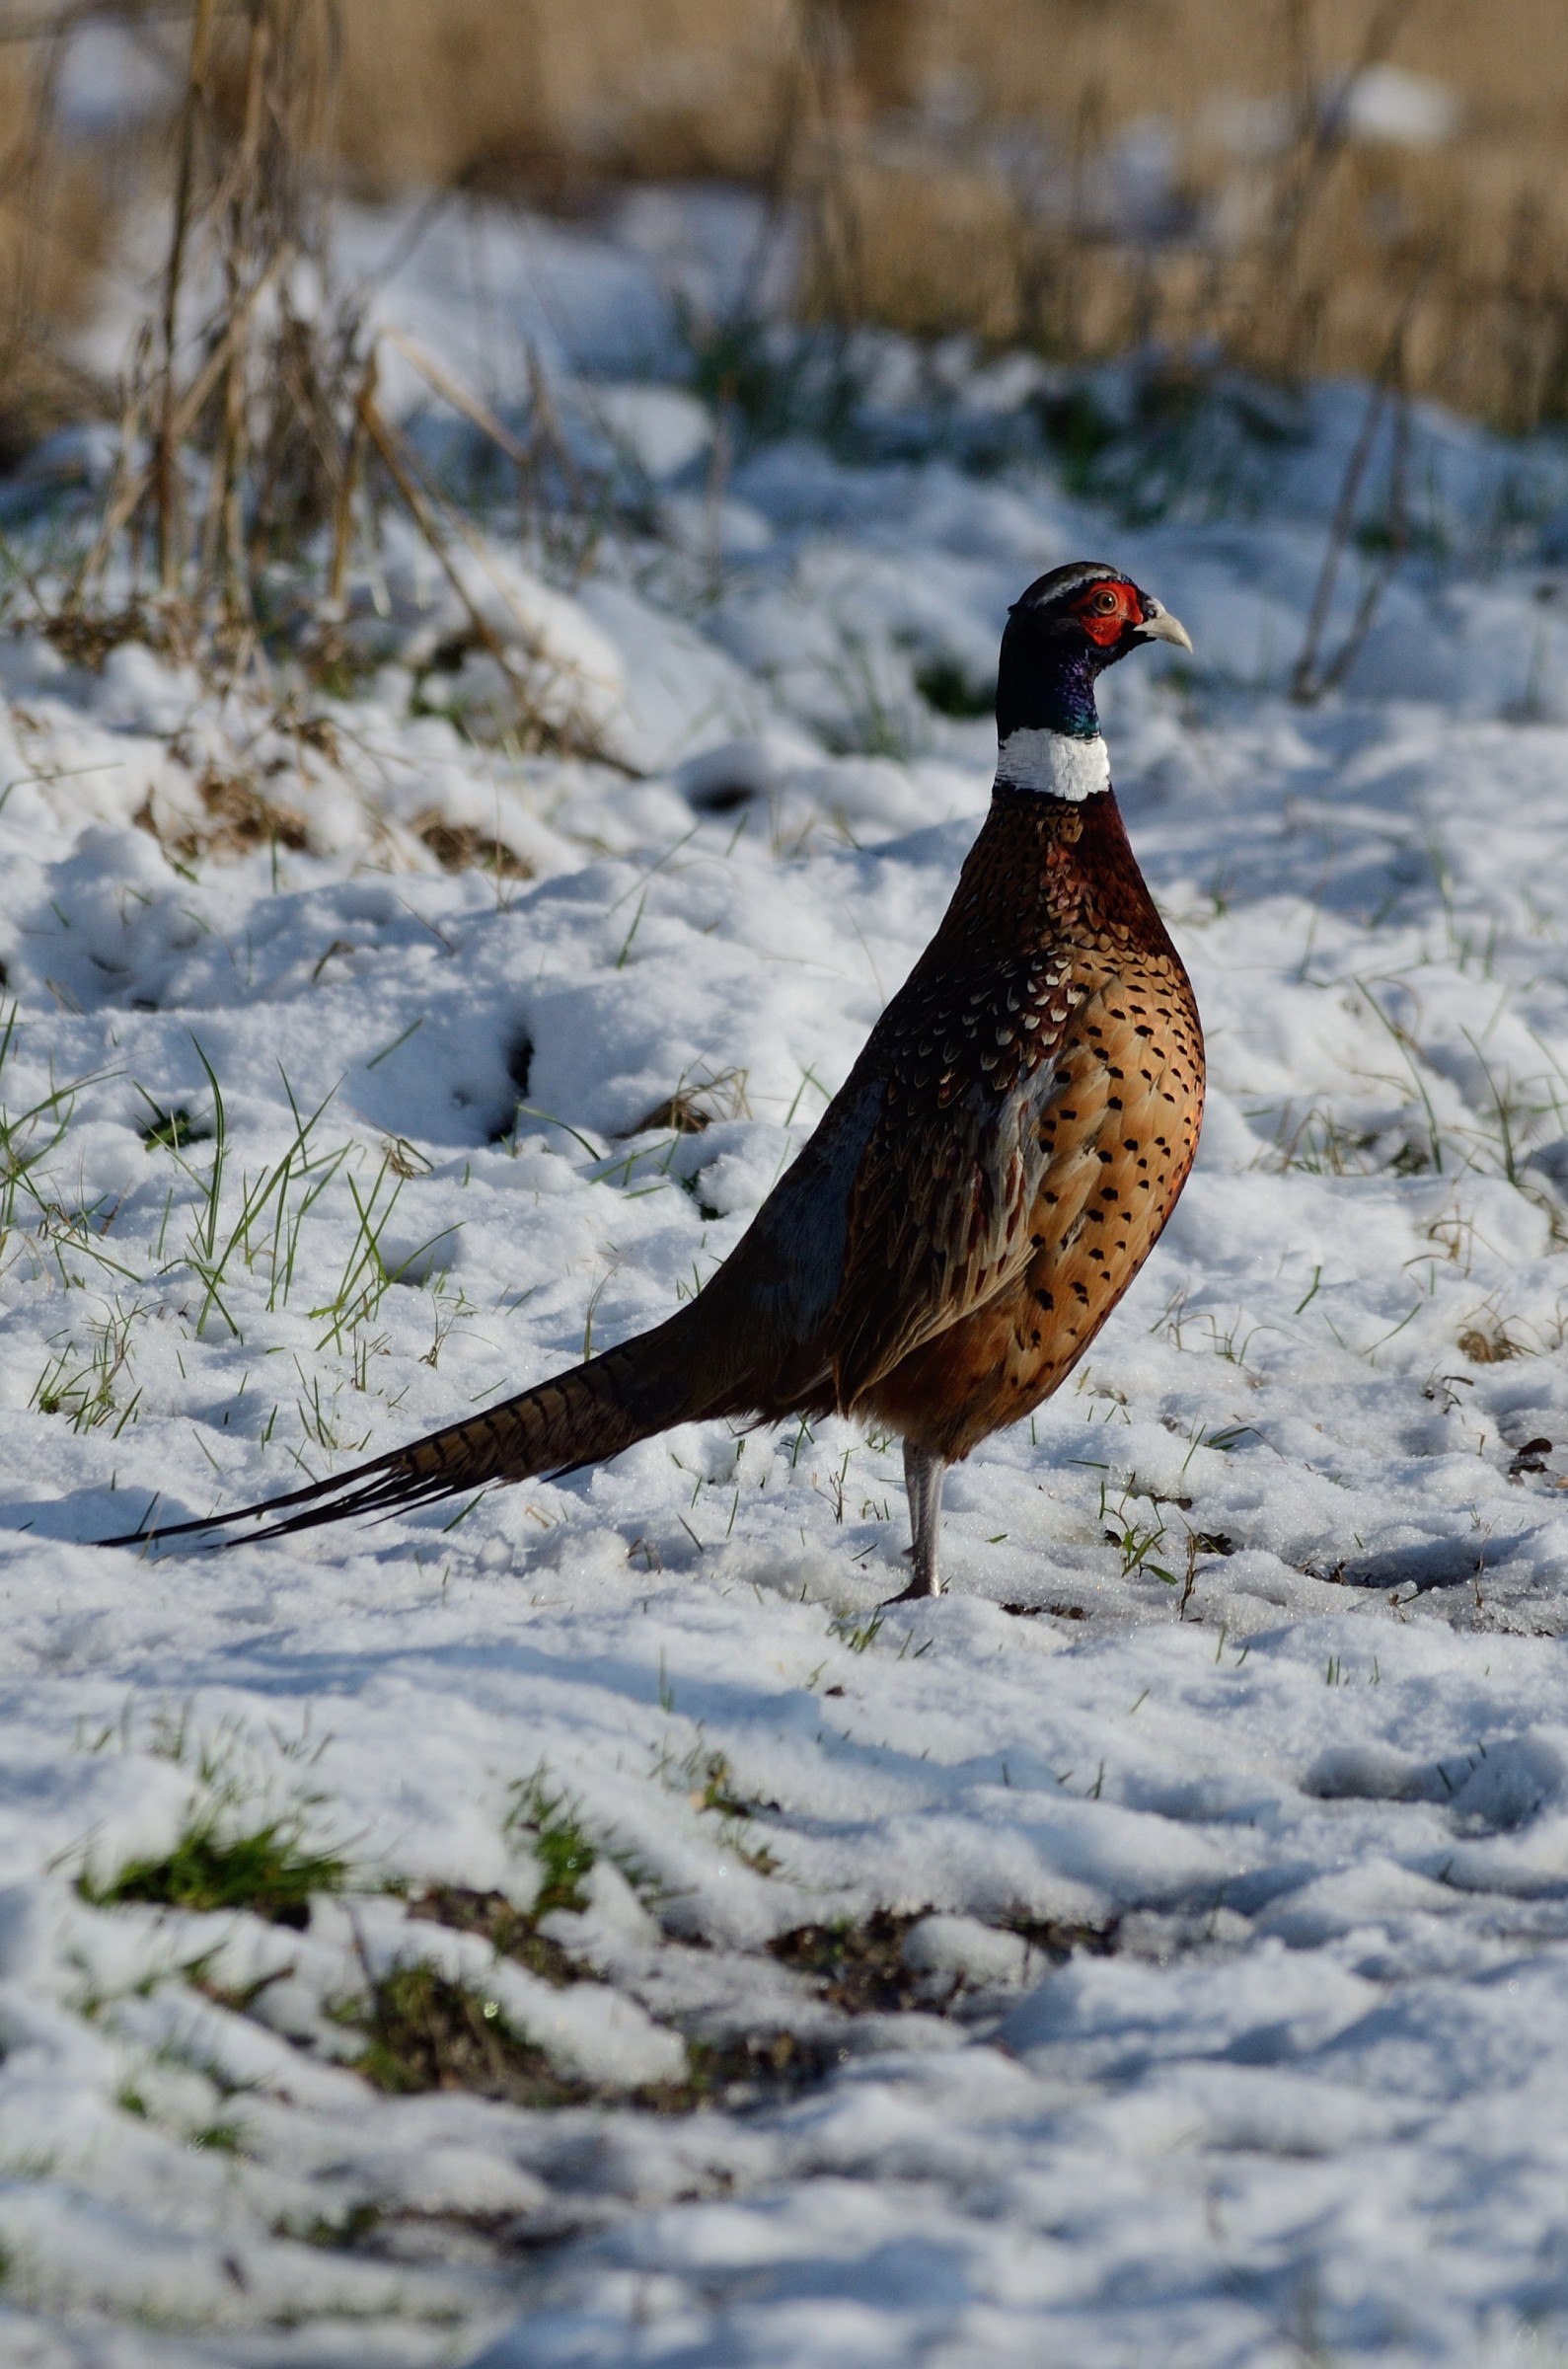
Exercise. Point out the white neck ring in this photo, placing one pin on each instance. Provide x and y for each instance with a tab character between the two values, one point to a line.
1054	762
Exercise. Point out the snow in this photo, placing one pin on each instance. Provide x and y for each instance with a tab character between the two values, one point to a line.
1385	102
1217	1820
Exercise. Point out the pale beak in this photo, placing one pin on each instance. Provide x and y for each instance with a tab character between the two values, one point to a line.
1158	625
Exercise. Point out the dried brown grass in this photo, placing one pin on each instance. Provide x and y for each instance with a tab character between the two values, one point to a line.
945	154
883	117
255	458
1300	261
55	211
532	95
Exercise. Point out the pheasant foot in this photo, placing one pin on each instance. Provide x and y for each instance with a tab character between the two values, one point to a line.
923	1479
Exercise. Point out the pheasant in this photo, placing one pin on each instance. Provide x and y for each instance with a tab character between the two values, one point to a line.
981	1190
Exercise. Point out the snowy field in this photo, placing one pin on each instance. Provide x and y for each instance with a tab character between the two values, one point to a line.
1154	1953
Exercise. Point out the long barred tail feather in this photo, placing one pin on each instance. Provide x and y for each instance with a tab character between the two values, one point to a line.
577	1417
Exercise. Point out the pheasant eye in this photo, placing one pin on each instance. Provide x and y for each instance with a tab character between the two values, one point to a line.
1105	602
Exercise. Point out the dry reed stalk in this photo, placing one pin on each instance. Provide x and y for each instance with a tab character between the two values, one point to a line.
347	487
1312	674
174	275
231	374
461	397
132	483
225	537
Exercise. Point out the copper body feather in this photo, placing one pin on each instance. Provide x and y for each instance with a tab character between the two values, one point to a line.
1079	1078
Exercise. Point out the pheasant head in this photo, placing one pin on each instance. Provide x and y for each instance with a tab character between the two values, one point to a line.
1060	638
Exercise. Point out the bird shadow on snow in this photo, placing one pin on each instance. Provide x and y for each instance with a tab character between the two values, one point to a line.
84	1518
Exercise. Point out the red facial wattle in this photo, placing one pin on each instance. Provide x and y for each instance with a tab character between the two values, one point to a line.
1106	611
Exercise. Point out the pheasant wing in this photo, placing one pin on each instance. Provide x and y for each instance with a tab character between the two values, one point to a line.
940	1213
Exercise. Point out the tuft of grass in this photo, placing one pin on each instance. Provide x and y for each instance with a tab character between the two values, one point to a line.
1080	432
343	2235
237	819
717	1790
713	1788
367	1277
872	723
83	1390
563	1851
28	1137
424	2031
1057	1941
859	1636
172	1129
1135	1543
748	2069
211	1249
679	1113
1492	1346
221	2138
269	1871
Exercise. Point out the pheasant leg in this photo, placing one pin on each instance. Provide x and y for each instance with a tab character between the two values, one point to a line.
923	1479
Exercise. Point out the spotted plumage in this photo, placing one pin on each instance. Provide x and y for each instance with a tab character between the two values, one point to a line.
984	1186
1099	1102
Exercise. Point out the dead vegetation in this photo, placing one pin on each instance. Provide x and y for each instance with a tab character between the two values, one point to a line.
695	1104
857	1968
456	847
1490	1344
511	1931
56	219
255	466
1258	181
240	820
424	2031
1279	184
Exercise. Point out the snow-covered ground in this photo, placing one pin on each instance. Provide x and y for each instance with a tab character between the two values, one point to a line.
1154	1952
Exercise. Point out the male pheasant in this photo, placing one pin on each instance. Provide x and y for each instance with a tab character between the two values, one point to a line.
984	1186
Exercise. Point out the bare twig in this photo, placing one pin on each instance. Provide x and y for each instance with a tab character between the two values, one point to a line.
174	274
227	536
1378	578
459	398
1312	676
181	418
347	485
